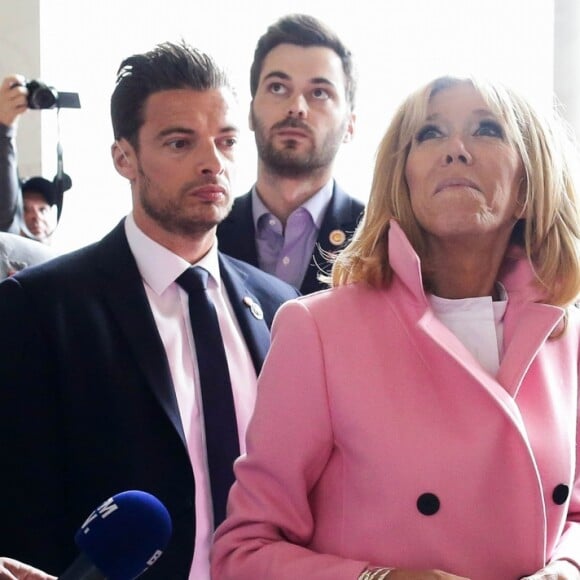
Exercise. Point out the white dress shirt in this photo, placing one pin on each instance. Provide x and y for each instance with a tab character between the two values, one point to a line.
159	269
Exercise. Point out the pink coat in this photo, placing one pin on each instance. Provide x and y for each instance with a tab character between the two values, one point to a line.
378	438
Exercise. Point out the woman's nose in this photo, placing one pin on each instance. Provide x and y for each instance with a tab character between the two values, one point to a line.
457	152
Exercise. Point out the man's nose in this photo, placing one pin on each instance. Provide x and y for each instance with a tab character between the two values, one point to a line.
298	107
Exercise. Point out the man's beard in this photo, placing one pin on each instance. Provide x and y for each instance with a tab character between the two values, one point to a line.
170	214
288	161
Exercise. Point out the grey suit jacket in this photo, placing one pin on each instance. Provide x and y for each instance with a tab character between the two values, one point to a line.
17	253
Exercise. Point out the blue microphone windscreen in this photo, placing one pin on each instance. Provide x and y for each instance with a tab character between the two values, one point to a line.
126	534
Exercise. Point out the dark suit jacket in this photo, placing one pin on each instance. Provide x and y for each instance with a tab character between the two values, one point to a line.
88	405
237	234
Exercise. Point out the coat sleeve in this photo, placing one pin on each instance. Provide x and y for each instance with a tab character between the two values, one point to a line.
289	442
11	213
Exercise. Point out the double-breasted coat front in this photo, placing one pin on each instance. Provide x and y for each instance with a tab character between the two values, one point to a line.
379	439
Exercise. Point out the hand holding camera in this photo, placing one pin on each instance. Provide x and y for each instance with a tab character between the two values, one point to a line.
13	99
17	94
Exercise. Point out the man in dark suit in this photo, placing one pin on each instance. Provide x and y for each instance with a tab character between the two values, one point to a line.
303	89
99	377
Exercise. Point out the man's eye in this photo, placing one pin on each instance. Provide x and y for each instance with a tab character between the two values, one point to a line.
277	88
428	132
321	94
230	142
178	144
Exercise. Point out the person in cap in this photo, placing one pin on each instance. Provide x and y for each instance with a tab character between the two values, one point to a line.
28	209
39	209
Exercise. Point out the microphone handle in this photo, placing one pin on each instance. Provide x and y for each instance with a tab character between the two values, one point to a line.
82	569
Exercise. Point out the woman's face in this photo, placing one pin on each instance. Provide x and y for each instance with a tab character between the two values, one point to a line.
463	174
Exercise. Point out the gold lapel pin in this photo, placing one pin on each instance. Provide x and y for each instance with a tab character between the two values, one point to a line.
337	237
254	308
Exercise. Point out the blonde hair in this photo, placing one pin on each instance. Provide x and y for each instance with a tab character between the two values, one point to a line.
549	231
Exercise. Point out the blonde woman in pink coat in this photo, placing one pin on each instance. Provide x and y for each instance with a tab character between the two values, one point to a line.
419	419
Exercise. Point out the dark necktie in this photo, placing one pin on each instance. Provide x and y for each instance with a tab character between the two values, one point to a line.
219	415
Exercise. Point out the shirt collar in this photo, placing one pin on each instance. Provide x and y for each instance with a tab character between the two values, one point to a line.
158	266
316	205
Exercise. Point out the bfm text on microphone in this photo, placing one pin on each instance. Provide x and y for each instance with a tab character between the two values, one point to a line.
121	538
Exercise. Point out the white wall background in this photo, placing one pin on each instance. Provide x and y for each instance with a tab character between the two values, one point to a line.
398	45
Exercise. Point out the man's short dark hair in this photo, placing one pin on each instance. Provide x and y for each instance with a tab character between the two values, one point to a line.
303	30
168	66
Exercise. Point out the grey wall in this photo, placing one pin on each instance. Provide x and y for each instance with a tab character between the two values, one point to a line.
398	44
20	53
567	59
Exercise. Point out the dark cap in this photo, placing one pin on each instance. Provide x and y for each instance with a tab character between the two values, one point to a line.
42	186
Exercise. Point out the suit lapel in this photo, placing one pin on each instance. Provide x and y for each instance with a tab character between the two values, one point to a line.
237	234
525	333
123	289
340	220
247	309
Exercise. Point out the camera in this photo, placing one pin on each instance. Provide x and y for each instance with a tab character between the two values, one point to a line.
41	96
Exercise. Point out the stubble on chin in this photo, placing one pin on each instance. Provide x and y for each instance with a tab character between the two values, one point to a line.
286	162
289	159
180	218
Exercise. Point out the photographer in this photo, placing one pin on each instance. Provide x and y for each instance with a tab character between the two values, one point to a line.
28	210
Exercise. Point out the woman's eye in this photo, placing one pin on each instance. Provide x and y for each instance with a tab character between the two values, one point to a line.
428	132
490	129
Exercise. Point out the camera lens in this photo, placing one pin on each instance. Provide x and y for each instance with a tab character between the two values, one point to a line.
41	96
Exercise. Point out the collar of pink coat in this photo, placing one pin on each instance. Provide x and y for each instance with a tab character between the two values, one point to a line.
516	273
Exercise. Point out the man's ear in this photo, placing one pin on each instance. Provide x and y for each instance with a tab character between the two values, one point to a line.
250	121
124	159
349	134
